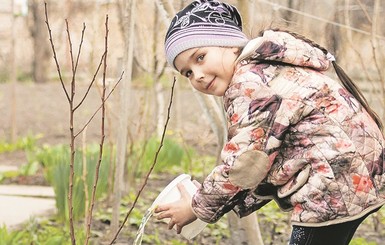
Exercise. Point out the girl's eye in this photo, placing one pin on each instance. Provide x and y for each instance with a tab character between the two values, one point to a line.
188	73
200	57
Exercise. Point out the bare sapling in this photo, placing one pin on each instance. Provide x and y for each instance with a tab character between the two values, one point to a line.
152	165
73	106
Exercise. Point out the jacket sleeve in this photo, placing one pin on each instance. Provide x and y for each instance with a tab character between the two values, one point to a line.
246	157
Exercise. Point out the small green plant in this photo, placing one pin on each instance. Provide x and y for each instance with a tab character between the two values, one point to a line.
174	157
29	169
44	232
10	237
170	155
55	161
27	143
361	241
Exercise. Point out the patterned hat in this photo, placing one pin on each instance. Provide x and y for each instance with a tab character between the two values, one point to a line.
204	23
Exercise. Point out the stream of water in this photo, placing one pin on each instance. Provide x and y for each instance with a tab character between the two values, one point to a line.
146	217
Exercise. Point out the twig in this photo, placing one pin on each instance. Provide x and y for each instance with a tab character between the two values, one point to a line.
363	8
374	41
54	51
72	136
152	166
100	107
91	83
278	7
80	47
72	161
374	47
72	62
350	41
70	98
84	175
101	139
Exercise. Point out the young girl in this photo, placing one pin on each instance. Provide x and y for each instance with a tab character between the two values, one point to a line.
295	135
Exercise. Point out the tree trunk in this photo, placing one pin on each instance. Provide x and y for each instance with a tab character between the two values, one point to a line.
41	47
128	22
244	231
246	8
158	87
213	111
13	78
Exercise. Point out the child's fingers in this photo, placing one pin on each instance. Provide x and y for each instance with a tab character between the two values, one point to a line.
162	215
197	184
171	224
161	208
183	191
178	229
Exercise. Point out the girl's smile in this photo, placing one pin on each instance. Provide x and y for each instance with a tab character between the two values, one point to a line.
209	69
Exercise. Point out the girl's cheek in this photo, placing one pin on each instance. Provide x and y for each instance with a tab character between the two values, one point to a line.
196	86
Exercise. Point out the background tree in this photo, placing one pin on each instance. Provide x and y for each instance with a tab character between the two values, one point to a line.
128	27
13	75
41	58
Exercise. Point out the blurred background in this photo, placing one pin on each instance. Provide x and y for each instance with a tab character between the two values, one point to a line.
35	123
352	30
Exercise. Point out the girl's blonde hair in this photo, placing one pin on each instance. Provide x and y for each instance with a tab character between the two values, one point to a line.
348	83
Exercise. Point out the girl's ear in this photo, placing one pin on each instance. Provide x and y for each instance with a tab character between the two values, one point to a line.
236	50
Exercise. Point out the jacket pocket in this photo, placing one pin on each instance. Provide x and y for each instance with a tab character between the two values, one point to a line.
296	182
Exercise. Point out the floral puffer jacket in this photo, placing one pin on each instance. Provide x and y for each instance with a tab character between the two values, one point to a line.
295	136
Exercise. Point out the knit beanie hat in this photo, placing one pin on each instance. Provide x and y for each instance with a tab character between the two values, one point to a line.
204	23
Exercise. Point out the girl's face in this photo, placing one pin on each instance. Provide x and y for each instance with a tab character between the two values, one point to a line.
209	69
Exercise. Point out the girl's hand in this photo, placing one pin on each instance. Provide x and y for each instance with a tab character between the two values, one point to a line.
180	212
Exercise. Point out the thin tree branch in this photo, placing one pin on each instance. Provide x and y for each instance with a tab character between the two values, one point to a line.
279	6
70	98
349	37
92	81
72	162
80	47
373	39
71	121
365	11
84	175
152	166
70	46
54	52
73	83
97	110
93	195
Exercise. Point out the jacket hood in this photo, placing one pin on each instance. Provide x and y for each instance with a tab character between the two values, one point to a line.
283	47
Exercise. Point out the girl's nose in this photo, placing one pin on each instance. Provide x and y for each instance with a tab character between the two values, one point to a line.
199	75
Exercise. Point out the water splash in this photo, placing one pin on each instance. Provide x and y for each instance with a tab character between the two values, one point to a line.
146	217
